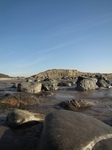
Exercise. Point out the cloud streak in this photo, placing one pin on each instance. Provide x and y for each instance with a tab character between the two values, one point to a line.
66	44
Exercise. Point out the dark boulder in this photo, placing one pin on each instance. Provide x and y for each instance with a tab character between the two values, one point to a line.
66	130
75	104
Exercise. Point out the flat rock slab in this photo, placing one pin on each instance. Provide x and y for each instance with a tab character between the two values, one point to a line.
66	130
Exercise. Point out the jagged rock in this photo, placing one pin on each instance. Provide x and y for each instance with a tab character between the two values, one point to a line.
18	117
30	87
75	104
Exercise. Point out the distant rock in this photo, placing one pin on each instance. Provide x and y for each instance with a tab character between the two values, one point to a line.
4	76
85	83
49	85
64	83
29	87
56	73
102	81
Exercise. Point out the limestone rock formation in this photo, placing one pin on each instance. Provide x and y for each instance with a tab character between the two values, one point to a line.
56	73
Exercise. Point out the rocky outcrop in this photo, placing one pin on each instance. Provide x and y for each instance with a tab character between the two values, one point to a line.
30	87
19	117
56	73
75	104
4	76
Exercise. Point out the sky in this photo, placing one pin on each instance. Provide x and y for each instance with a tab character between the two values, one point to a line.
38	35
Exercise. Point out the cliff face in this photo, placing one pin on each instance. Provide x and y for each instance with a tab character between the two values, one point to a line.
57	73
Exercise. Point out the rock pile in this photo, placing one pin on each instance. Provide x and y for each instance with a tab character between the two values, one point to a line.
90	83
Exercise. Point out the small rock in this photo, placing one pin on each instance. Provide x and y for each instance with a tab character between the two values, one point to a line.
18	117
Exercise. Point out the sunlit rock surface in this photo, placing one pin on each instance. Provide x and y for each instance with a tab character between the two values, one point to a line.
18	117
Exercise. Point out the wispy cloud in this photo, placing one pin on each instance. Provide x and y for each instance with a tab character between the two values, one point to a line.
81	25
26	63
78	39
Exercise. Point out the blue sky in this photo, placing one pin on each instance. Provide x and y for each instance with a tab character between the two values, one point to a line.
37	35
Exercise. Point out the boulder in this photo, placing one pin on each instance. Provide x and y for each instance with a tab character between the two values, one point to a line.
67	130
64	84
19	100
19	117
22	138
62	130
84	84
75	104
103	83
37	87
49	86
29	87
15	85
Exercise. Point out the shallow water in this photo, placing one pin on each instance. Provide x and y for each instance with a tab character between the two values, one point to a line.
102	99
